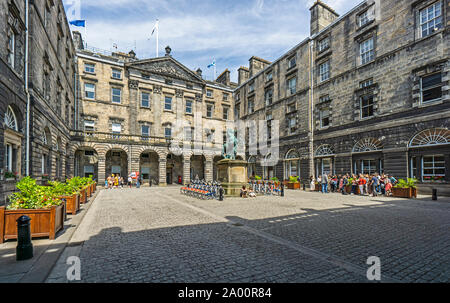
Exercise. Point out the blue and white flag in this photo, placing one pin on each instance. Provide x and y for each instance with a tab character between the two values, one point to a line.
212	64
79	23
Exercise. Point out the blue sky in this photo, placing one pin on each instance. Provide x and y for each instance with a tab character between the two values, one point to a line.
230	31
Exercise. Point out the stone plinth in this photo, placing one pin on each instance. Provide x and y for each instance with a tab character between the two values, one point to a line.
232	174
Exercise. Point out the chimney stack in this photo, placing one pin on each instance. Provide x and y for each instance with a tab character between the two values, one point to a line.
321	16
78	40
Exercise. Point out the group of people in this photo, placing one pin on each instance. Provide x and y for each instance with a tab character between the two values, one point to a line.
362	184
117	181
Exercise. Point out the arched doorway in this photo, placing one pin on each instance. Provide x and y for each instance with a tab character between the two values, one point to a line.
174	169
116	163
12	141
324	160
198	167
367	157
268	168
291	164
429	156
86	163
149	167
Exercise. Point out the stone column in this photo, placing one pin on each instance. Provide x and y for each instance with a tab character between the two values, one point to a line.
101	170
209	169
158	108
163	171
186	170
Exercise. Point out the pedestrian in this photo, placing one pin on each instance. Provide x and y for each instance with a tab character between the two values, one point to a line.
312	183
138	182
361	183
130	181
324	183
344	184
374	185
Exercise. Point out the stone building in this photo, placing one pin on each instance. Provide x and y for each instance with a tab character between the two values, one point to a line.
152	116
50	91
366	92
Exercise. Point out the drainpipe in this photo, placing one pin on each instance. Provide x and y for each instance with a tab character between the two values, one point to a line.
27	162
311	101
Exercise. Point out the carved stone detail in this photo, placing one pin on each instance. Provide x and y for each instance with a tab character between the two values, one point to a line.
133	84
157	89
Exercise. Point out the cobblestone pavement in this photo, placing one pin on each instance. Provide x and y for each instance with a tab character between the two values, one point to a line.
157	235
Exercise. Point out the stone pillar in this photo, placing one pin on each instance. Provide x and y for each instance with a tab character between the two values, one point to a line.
133	107
209	169
186	170
158	108
101	170
71	166
163	171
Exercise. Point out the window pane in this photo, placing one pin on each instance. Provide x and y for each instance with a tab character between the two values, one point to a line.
432	94
432	80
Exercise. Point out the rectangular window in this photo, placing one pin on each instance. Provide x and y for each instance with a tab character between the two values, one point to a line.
89	90
251	87
292	86
324	70
168	103
324	118
89	68
225	97
116	95
145	100
145	131
209	93
9	158
209	111
433	167
363	19
251	106
366	83
292	125
291	108
116	73
168	132
12	50
269	117
189	107
431	19
268	96
292	62
116	128
366	51
368	166
431	88
324	44
43	164
225	113
269	77
89	126
169	82
367	109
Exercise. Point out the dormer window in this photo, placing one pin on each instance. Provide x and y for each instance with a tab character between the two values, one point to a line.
292	62
209	93
363	19
324	44
269	76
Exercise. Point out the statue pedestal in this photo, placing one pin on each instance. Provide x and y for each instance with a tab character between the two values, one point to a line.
232	174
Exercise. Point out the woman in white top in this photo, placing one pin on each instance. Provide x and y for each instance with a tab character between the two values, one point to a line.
312	184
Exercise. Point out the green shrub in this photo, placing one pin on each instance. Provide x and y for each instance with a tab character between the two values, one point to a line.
410	183
258	177
293	180
274	179
33	196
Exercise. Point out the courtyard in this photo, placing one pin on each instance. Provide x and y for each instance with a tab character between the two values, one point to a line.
157	235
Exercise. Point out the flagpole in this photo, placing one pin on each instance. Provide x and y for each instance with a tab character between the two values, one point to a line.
215	77
157	38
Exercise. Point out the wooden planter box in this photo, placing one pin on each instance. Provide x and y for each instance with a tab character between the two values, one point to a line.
83	196
44	222
348	189
293	185
404	192
73	204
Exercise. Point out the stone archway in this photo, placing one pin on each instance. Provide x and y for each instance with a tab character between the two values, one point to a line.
86	162
174	169
198	167
116	163
149	167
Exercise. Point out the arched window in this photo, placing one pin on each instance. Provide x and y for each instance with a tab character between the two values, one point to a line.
431	137
10	119
324	150
292	154
367	145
